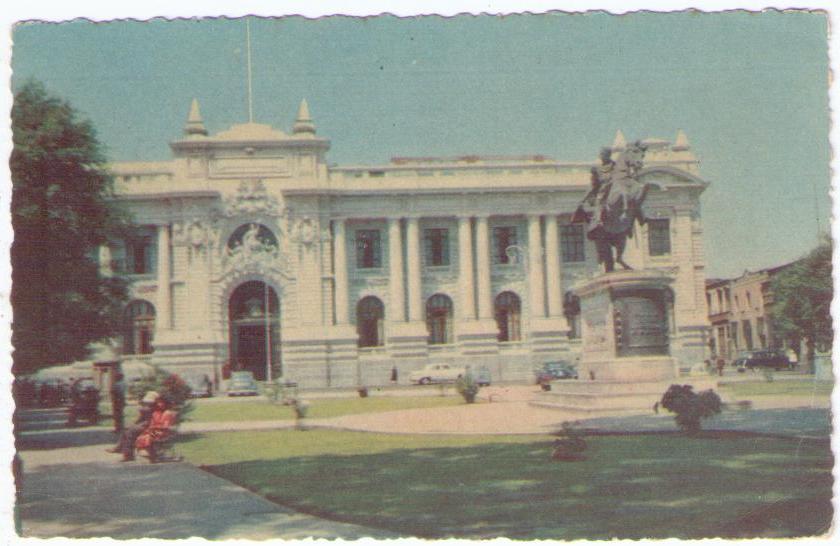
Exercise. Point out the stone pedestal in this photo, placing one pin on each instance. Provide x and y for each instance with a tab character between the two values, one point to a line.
626	362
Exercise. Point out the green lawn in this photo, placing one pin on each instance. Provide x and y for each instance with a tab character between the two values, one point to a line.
257	410
485	486
819	389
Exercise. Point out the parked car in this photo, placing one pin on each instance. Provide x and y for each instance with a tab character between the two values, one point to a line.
762	359
436	373
555	370
242	384
199	383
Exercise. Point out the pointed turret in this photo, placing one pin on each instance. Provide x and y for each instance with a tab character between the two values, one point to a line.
195	125
619	143
681	143
303	123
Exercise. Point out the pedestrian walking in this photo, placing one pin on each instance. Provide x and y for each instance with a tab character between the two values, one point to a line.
118	402
394	374
720	364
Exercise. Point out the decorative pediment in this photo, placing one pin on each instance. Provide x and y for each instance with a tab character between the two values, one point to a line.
252	198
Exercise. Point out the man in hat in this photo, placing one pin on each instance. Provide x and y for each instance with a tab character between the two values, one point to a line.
129	435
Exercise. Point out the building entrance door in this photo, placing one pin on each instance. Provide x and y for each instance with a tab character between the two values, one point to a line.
255	334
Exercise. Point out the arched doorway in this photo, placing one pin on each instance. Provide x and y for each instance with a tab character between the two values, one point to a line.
508	312
439	319
138	328
370	321
255	335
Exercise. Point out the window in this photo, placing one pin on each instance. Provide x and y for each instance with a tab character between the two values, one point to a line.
762	332
370	320
508	312
659	237
733	335
436	246
368	249
139	328
137	254
439	319
749	300
572	243
748	338
503	237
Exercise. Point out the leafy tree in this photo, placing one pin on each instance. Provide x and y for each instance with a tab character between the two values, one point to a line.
60	216
802	293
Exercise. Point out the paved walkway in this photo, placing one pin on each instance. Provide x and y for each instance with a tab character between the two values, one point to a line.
73	488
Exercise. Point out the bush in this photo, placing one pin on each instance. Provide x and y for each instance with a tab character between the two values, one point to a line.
570	446
170	386
690	407
467	387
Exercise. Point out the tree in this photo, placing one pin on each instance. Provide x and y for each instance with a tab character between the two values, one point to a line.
60	215
802	293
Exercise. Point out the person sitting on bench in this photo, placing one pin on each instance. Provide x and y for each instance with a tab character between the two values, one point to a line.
129	434
160	429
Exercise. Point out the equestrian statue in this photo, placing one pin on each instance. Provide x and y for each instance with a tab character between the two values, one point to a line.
614	204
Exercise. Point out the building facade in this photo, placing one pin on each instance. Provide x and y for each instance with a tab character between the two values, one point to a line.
251	250
739	313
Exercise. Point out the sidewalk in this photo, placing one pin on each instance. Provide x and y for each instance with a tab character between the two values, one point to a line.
80	491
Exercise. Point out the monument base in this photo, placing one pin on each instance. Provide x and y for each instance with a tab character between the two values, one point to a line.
626	362
583	398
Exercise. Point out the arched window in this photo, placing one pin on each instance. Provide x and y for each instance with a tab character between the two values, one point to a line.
508	312
250	234
439	319
370	319
139	328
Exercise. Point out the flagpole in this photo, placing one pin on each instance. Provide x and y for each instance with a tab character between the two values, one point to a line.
250	90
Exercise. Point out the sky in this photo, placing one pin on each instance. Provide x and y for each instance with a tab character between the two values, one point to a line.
750	90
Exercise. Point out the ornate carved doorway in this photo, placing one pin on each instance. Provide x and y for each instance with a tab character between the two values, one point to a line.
255	334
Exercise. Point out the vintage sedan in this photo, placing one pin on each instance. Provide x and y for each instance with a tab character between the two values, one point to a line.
436	373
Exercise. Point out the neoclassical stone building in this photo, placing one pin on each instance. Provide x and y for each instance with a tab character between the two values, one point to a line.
253	250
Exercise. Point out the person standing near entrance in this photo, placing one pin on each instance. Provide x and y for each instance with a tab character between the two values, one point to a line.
118	401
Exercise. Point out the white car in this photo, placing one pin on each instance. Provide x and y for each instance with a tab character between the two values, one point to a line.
436	373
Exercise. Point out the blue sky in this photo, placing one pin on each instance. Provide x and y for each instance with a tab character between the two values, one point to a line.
749	90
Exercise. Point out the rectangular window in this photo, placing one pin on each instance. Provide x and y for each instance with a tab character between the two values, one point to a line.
368	249
436	246
572	243
659	237
137	254
503	238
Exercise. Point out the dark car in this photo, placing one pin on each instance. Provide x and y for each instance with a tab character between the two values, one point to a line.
555	370
763	359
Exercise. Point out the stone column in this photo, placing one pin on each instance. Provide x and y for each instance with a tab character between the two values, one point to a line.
465	269
482	245
415	296
340	271
536	281
164	279
395	260
553	271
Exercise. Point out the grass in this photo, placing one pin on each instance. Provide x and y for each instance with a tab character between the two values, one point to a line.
631	486
257	410
819	389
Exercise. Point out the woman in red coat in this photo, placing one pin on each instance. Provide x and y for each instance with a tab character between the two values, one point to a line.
160	427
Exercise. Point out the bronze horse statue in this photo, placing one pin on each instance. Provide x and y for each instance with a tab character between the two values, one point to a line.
614	204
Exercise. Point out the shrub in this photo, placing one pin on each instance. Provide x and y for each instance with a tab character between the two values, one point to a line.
170	386
467	387
570	446
690	407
